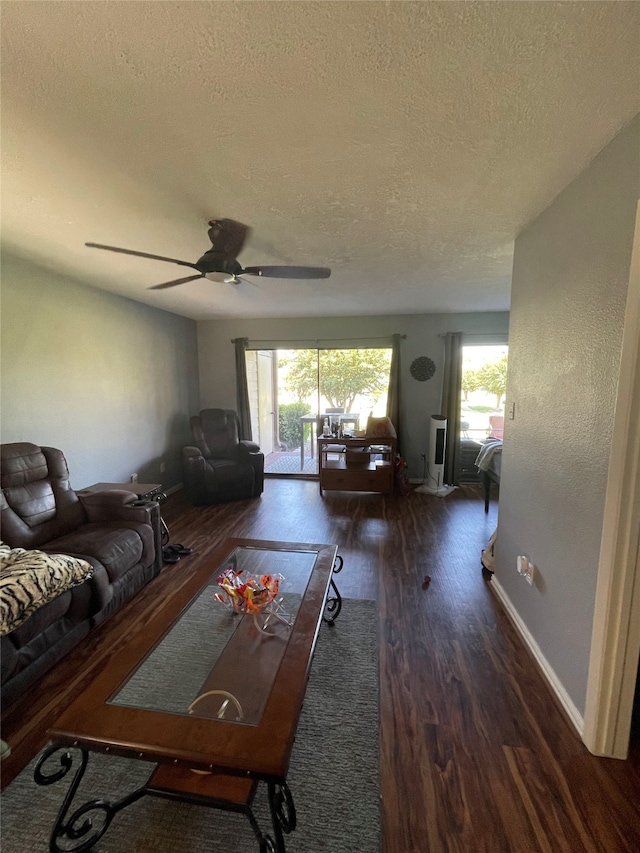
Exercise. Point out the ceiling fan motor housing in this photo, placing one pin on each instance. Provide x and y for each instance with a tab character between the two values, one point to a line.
213	261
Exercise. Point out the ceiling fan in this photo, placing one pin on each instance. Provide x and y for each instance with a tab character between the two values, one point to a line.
220	263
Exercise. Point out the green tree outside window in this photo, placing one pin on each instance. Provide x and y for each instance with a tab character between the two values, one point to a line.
344	374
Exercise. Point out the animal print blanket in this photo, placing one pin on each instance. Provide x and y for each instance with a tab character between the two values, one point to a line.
29	579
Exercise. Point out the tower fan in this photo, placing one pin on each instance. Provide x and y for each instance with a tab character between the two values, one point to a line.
434	485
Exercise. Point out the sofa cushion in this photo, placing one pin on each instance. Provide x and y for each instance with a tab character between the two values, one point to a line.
118	547
30	579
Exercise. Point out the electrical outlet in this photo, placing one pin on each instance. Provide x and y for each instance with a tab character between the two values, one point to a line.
134	478
162	467
526	569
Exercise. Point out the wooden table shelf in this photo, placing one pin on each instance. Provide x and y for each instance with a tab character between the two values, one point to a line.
356	464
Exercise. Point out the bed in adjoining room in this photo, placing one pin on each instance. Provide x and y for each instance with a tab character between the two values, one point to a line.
489	462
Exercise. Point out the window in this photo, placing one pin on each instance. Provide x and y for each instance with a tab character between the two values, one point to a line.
484	381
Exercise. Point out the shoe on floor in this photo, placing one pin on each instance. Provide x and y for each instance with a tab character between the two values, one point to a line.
169	556
178	549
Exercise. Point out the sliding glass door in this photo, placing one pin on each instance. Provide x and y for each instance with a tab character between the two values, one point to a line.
292	391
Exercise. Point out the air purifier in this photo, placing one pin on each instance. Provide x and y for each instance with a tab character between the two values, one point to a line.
434	483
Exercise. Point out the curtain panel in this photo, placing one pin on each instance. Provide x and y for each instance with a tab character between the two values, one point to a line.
451	386
393	396
242	389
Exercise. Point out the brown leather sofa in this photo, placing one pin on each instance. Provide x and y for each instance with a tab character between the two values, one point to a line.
221	467
119	536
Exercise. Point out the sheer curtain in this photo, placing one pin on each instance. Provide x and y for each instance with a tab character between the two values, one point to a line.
451	387
242	389
393	396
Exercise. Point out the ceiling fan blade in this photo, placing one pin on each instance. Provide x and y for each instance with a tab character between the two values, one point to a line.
288	272
174	283
140	254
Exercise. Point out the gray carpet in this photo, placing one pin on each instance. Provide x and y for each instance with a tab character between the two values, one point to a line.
334	773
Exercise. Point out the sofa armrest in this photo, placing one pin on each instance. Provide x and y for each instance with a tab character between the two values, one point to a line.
249	452
192	453
107	497
251	446
120	505
195	466
194	462
116	505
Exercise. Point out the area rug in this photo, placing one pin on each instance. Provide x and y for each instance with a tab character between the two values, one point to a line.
334	773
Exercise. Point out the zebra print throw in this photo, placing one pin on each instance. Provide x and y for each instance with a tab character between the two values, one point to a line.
29	579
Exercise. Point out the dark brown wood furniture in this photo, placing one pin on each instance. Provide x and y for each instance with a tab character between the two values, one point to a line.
356	464
490	467
488	478
215	714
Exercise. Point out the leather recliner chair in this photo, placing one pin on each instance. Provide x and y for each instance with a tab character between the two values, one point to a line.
111	530
221	467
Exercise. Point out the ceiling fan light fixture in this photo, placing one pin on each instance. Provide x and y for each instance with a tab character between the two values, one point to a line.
222	277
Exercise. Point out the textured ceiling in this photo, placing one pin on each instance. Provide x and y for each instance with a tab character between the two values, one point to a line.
403	144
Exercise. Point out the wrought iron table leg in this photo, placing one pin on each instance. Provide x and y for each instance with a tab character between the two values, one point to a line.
79	825
265	841
333	604
283	813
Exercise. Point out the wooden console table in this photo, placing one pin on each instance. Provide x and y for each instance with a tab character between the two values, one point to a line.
356	464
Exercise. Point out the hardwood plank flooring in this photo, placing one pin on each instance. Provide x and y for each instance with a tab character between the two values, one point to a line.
476	756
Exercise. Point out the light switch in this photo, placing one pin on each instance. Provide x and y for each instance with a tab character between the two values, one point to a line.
512	412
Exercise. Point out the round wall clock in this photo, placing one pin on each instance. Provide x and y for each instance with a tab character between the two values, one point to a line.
422	368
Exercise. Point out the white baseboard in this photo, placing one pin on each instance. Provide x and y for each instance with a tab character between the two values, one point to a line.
554	682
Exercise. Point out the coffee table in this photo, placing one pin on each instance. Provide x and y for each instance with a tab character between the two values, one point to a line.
211	697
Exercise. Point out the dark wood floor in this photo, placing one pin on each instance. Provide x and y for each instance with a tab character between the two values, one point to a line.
475	755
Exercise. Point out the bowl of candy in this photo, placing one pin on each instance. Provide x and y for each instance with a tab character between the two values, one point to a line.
258	596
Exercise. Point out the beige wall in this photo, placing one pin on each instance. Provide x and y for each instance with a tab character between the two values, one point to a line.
419	400
107	380
570	281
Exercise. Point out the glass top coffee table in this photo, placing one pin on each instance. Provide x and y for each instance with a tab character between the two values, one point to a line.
211	696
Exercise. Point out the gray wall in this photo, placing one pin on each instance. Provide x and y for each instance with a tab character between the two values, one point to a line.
419	400
109	381
570	281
